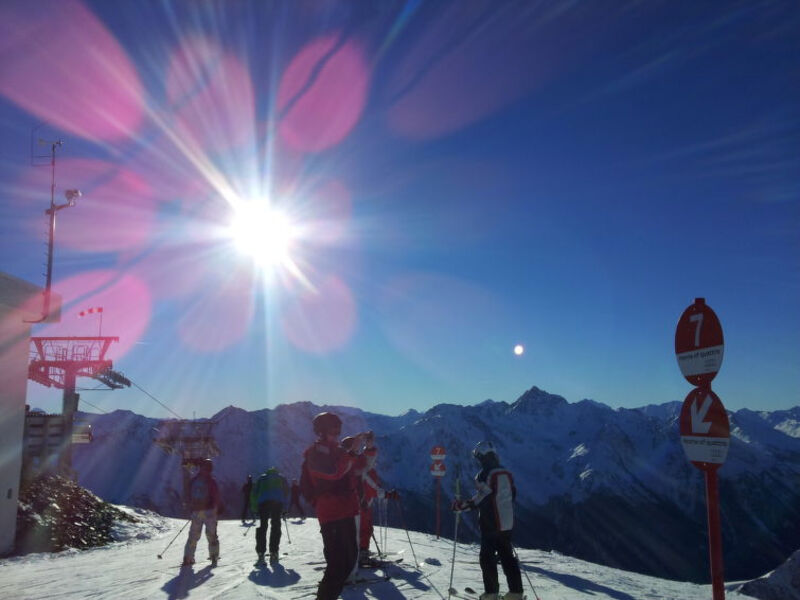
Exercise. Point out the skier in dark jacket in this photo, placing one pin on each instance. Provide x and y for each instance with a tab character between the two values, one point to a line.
246	489
295	499
328	468
204	502
267	500
494	500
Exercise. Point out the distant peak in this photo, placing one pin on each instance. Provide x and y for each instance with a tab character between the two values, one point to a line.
536	400
227	412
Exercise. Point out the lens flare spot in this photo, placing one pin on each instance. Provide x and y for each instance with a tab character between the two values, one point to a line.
211	93
61	64
322	94
116	210
332	213
222	314
519	350
127	308
323	320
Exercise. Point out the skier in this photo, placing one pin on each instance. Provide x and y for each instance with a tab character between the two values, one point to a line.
370	489
204	503
267	499
354	446
295	499
246	489
328	480
494	500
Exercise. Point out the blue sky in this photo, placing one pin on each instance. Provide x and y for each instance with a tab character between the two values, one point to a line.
461	178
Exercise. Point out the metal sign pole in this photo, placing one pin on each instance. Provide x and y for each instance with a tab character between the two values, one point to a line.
438	515
714	536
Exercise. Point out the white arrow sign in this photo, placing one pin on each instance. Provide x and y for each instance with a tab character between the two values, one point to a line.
698	425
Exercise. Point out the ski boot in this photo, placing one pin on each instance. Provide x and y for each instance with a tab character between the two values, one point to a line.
214	560
261	562
188	561
365	561
273	557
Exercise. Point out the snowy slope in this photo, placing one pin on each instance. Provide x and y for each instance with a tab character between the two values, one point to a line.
130	569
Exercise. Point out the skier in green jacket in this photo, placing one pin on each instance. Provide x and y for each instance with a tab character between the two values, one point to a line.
267	500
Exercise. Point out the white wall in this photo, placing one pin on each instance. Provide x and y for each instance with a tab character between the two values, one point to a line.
19	301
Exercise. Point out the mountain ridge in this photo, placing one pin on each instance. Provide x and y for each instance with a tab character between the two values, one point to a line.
588	476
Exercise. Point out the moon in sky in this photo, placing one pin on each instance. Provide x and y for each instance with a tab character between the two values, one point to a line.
519	349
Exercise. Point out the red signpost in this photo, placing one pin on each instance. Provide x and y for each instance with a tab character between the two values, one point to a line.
438	470
699	343
704	427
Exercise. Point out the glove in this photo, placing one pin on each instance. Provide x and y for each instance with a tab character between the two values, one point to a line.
392	495
460	505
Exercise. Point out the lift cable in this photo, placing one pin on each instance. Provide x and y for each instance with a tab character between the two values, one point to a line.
154	398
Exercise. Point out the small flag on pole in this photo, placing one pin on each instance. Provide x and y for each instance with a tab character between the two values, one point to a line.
91	311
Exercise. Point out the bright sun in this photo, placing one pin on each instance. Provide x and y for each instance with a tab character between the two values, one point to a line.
264	233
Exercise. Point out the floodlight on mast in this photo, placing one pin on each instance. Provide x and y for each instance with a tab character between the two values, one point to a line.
71	196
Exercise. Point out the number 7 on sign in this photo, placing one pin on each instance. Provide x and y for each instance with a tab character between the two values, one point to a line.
698	318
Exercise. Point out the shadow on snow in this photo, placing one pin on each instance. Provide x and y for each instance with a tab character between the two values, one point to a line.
180	585
275	576
579	583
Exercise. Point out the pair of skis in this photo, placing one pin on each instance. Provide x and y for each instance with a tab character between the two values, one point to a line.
471	594
367	580
384	562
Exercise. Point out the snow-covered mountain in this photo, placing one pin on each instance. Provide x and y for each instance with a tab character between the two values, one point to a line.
610	486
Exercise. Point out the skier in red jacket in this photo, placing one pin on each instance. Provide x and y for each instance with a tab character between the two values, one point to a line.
370	489
204	503
328	469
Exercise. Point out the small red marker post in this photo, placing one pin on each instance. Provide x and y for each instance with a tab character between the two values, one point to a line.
438	470
704	426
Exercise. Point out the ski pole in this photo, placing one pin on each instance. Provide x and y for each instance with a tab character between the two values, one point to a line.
383	518
519	562
450	589
377	546
286	526
403	522
173	539
385	524
249	527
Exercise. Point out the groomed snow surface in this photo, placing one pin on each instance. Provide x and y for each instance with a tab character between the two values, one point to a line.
130	568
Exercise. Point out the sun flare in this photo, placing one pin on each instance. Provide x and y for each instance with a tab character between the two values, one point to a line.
263	233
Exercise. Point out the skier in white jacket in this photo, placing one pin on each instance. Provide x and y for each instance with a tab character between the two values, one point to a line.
494	500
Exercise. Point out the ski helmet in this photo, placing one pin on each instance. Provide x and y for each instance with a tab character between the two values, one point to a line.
206	465
484	451
327	422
